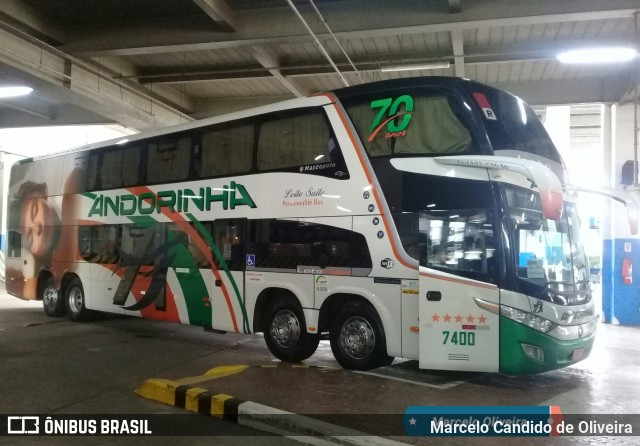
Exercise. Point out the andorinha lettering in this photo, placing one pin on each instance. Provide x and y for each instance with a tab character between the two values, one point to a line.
183	200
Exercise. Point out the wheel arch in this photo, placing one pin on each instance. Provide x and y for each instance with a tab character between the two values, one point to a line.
66	279
332	304
43	275
263	300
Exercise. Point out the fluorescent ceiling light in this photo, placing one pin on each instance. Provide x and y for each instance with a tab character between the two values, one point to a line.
421	66
597	55
13	91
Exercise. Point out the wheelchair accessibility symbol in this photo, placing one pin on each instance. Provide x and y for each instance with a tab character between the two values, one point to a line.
251	260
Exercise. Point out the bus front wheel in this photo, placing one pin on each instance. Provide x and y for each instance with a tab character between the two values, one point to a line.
357	338
52	301
74	300
285	331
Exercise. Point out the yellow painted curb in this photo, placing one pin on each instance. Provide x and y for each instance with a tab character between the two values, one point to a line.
191	398
226	370
216	372
163	390
217	404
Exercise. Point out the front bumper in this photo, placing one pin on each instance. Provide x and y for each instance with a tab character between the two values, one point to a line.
557	353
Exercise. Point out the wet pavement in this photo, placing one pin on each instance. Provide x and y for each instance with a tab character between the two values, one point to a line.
56	366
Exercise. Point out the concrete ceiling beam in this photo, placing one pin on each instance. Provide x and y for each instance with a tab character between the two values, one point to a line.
218	11
273	26
75	82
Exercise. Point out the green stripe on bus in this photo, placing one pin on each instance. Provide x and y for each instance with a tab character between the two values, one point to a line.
189	286
143	220
214	248
192	284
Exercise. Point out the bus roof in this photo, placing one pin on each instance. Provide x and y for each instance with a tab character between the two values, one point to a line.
310	101
392	84
318	99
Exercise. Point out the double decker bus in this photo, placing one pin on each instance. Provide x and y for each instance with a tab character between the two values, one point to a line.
423	218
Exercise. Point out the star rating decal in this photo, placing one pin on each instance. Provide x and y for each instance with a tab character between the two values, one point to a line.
457	319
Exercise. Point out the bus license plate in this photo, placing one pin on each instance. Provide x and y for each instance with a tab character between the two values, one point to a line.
577	354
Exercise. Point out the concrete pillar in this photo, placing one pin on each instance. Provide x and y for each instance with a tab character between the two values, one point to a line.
621	256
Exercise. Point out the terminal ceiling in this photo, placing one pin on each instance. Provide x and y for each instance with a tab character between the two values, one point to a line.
151	63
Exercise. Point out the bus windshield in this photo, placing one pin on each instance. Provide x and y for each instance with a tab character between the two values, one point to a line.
548	254
513	127
412	122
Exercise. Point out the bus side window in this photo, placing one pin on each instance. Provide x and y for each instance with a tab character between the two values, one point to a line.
92	172
288	244
294	141
98	244
15	244
229	237
196	247
463	242
226	151
136	244
113	167
169	160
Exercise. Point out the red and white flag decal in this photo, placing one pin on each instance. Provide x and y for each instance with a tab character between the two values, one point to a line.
483	102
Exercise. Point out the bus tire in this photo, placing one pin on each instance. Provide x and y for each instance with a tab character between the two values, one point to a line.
52	300
74	300
285	331
357	338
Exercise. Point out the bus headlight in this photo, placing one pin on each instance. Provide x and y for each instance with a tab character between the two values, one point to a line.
524	317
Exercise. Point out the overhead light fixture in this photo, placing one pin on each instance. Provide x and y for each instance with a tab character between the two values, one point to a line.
14	91
598	55
410	67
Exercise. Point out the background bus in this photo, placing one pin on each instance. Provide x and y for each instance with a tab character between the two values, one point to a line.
420	218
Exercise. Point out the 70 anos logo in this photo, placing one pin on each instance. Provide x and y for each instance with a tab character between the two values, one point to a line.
389	109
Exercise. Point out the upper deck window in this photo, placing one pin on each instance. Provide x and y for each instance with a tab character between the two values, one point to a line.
299	141
294	141
410	124
168	160
227	151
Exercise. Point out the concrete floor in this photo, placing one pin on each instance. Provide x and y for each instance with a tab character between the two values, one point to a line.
53	366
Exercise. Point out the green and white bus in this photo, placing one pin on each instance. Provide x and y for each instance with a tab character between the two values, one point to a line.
425	218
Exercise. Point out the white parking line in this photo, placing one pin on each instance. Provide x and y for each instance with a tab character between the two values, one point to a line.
444	386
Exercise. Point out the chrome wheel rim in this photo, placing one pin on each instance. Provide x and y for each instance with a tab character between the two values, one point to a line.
357	338
285	329
76	300
50	296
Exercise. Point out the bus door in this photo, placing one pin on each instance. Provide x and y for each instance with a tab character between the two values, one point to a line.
458	300
227	295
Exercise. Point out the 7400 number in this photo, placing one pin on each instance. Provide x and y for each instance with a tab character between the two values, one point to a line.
459	337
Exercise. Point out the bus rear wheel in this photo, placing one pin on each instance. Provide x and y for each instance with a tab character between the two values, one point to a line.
74	300
357	338
285	331
52	301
